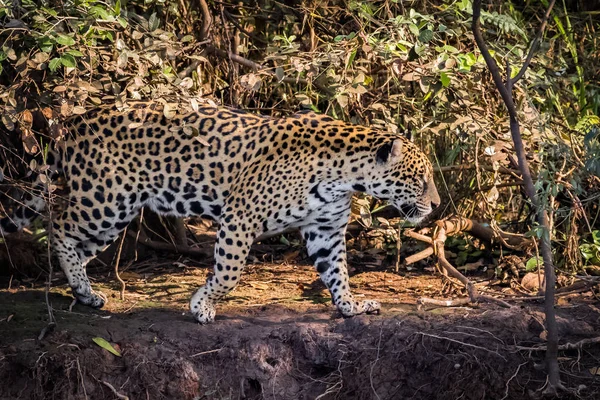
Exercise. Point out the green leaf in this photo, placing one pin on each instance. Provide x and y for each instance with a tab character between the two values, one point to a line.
596	237
351	58
65	40
533	263
445	79
118	8
54	64
414	29
74	53
49	11
425	35
153	22
68	60
106	346
99	12
46	44
122	21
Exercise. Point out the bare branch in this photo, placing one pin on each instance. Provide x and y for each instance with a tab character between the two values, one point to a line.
534	45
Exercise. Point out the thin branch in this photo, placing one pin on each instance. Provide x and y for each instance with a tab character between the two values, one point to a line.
463	167
534	45
258	67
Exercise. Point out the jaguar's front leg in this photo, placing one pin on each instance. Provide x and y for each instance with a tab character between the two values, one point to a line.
326	244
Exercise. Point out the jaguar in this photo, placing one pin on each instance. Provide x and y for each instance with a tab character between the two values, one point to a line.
253	174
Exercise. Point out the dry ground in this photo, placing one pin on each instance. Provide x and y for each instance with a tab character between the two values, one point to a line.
277	336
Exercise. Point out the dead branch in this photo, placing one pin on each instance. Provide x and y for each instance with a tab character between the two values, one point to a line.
436	247
206	20
465	167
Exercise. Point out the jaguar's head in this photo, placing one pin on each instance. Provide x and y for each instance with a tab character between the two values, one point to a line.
403	176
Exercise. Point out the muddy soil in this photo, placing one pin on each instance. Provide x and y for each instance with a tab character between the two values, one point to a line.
277	336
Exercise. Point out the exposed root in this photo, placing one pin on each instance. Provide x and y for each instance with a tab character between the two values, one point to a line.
117	394
567	346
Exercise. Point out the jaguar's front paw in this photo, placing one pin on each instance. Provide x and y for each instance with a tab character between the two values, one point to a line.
203	309
351	307
370	307
90	298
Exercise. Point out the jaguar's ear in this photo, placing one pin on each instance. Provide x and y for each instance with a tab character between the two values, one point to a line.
390	151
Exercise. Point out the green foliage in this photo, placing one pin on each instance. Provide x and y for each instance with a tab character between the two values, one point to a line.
533	264
589	127
391	65
590	250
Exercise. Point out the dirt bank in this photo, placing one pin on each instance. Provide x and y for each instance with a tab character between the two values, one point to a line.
282	340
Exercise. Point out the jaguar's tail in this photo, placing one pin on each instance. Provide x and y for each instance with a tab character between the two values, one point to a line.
32	202
29	207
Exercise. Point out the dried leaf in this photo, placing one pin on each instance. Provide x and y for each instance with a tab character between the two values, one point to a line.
201	140
251	82
30	144
122	60
194	104
279	73
342	100
78	110
170	110
411	76
259	285
26	119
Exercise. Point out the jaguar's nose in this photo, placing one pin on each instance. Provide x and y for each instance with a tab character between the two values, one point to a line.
434	205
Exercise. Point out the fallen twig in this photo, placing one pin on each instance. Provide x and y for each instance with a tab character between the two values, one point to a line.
47	329
206	352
